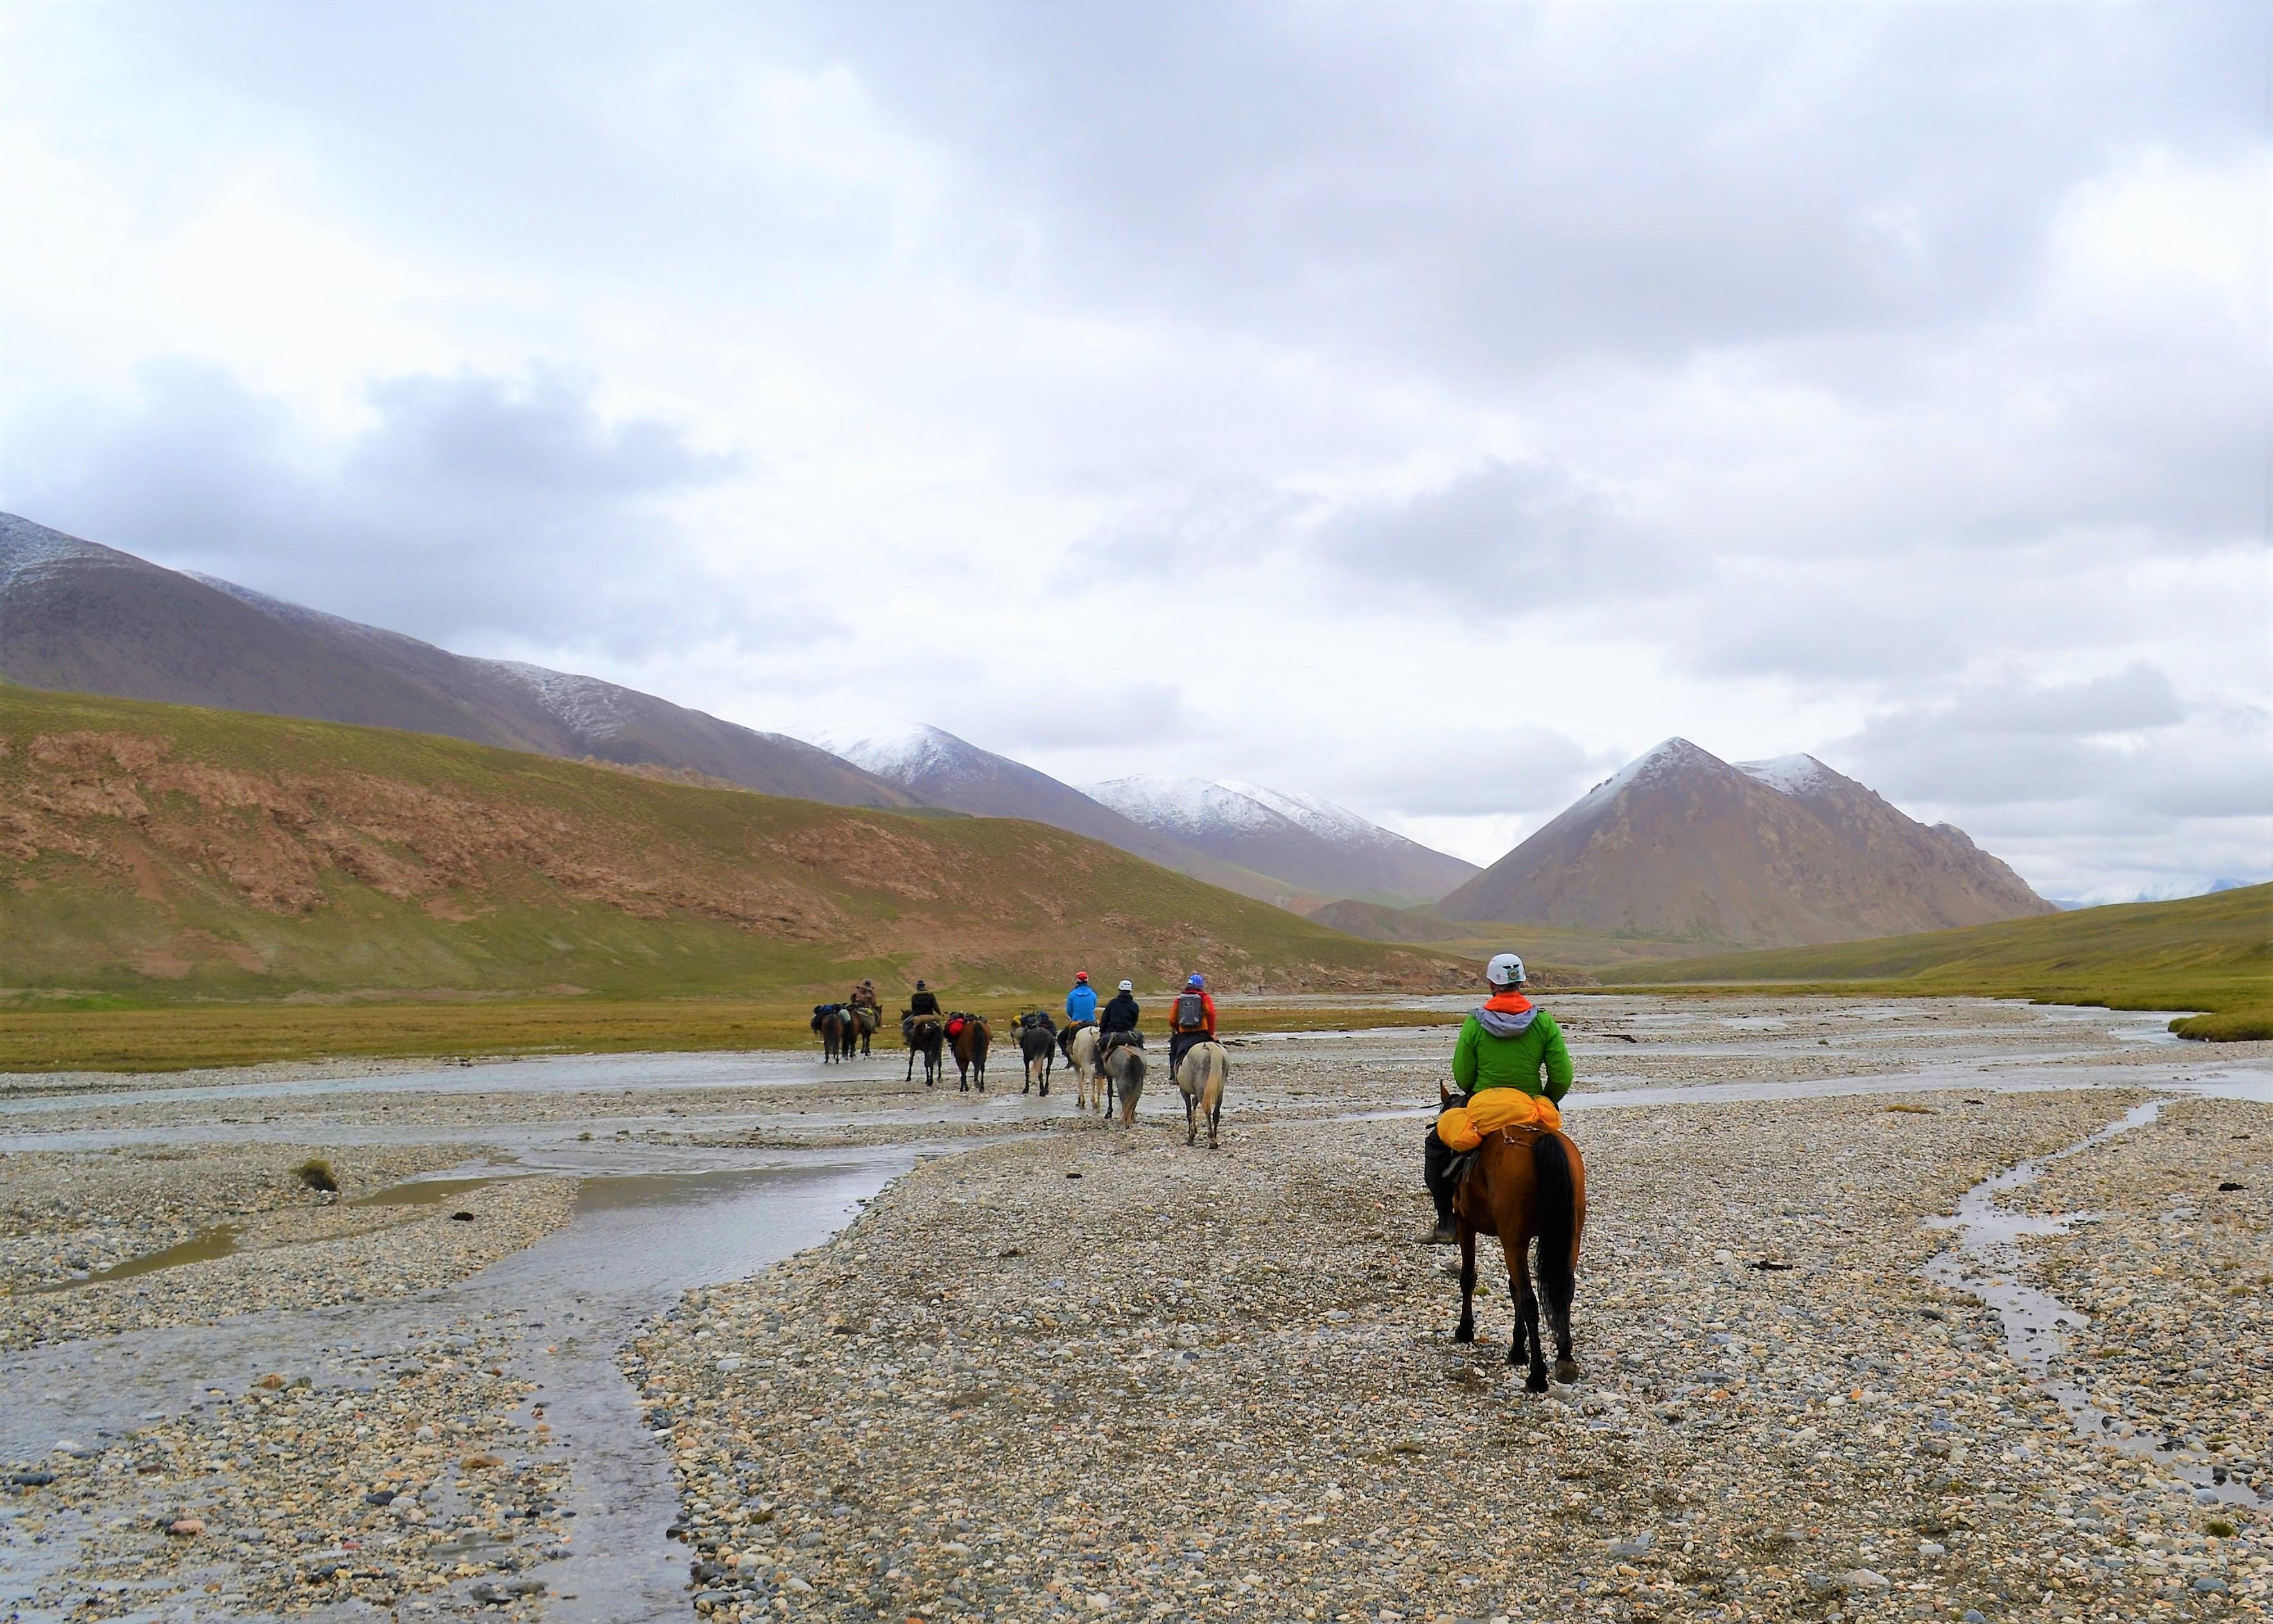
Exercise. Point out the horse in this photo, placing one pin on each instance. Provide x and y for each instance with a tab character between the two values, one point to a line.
971	1053
835	1029
1124	1075
925	1036
1527	1182
1038	1044
1088	1075
1200	1077
865	1018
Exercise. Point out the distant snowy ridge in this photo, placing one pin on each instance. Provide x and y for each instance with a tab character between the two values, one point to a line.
1181	805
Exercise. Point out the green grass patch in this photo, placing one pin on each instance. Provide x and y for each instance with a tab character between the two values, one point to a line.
2212	954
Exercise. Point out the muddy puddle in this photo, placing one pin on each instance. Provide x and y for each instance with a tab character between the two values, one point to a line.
1988	1262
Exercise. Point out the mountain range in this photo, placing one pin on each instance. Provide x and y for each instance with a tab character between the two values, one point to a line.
1679	846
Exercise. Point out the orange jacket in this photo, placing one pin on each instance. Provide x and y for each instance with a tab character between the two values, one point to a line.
1207	1005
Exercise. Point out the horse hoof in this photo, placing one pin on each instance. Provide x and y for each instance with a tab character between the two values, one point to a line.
1465	1333
1535	1382
1566	1370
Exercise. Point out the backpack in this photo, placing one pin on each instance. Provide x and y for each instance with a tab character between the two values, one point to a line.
1191	1012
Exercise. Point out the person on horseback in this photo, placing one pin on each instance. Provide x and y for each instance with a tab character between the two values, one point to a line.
925	1002
1192	1019
1081	1011
864	997
1116	1022
1506	1044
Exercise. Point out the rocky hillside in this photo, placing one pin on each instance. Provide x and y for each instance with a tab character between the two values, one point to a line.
87	619
1682	845
1311	844
162	850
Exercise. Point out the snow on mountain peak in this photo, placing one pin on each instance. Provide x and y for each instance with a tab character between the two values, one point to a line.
905	753
1172	804
1320	816
1792	775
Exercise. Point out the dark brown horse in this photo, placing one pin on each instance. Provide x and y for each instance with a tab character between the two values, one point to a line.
925	1035
865	1018
1527	1183
970	1041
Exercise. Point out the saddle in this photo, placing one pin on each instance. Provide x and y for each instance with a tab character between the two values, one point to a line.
1121	1040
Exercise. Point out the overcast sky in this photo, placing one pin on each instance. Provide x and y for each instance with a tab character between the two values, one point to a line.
1426	407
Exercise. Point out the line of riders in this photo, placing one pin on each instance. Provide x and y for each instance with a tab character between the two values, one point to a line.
1103	1045
1494	1159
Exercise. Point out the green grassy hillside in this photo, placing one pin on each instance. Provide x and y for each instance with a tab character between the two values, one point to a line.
2212	954
158	855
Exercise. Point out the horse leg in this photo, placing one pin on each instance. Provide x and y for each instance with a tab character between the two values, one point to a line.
1526	1316
1465	1331
1191	1122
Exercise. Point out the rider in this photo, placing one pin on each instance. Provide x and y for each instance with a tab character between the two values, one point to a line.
864	997
1192	1019
1117	1021
924	1003
1505	1044
1081	1011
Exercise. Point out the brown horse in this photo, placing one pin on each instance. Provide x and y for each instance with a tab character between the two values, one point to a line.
1527	1183
865	1018
970	1046
834	1023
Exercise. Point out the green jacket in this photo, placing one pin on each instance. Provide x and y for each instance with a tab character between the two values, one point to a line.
1482	1059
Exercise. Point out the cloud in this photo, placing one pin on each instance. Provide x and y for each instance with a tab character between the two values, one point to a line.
1515	535
468	508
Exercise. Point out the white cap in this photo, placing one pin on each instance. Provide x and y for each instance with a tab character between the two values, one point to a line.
1505	970
1129	986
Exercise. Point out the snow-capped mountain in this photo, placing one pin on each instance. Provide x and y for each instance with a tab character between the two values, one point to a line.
1680	844
1326	850
934	764
86	618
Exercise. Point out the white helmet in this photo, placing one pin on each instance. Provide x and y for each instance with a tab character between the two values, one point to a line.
1129	986
1505	970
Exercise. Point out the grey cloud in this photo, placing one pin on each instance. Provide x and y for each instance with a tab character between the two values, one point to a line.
1493	187
473	509
1523	534
1817	635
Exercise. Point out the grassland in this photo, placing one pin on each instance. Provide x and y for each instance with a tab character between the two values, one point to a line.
108	1037
2212	954
160	863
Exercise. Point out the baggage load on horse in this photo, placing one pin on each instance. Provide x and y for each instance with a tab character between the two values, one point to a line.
1464	1127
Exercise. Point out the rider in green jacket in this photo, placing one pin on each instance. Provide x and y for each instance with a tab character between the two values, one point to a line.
1506	1044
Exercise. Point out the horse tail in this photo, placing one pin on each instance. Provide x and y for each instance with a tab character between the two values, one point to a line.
1211	1090
1557	1219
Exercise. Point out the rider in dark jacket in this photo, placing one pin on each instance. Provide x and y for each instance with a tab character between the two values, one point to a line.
924	1002
1120	1015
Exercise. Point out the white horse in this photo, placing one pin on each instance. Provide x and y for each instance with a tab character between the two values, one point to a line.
1200	1077
1089	1077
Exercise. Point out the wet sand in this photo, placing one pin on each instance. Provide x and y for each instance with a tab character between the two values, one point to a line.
1181	1385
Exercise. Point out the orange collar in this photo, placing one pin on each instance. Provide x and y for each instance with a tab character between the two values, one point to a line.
1508	1004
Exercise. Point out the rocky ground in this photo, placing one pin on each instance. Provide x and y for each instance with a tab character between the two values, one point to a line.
1142	1382
1076	1372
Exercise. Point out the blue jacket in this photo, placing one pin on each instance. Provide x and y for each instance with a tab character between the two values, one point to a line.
1081	1002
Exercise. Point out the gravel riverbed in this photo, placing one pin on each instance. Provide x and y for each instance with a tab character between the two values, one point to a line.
1073	1371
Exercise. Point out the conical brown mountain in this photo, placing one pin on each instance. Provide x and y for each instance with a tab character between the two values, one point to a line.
1682	845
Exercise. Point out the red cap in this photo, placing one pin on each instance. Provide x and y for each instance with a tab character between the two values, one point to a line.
1081	975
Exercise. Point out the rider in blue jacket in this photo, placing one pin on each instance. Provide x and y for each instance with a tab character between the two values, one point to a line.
1081	1002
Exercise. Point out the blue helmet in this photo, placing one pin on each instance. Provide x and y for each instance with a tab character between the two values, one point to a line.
1197	980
